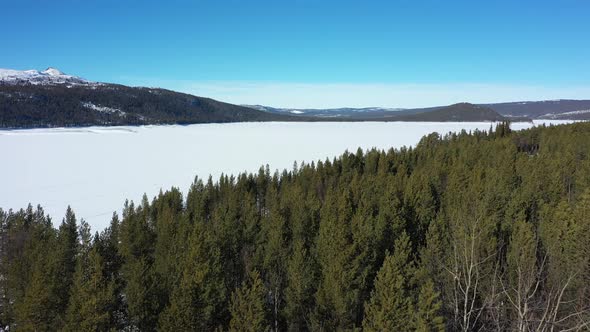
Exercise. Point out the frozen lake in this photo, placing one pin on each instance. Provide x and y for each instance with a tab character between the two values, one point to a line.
95	169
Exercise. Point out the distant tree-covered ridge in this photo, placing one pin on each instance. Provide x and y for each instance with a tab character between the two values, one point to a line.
561	109
100	104
50	98
456	112
481	231
61	105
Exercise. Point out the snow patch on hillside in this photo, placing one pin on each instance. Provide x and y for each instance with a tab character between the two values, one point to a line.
560	115
103	109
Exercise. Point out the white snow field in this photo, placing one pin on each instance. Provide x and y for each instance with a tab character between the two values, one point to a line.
95	169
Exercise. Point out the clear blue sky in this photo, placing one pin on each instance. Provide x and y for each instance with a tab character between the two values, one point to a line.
289	49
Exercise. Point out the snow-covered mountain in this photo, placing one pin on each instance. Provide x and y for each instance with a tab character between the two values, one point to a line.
49	76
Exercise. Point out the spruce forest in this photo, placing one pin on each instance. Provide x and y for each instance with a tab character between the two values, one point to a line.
479	231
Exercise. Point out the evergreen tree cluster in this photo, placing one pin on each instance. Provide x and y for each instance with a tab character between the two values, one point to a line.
478	231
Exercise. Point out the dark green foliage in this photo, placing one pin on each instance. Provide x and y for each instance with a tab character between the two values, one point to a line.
248	313
93	296
67	247
198	302
391	305
427	316
470	231
143	287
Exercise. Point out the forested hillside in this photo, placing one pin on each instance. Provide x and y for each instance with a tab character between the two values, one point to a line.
548	109
456	112
101	104
466	232
514	111
60	105
461	112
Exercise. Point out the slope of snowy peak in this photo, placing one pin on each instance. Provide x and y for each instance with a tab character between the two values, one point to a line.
47	77
52	72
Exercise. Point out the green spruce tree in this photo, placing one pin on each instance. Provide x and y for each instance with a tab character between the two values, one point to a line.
248	312
93	295
391	306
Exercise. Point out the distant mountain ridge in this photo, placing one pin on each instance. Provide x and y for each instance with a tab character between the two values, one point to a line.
51	98
345	112
461	112
548	109
566	109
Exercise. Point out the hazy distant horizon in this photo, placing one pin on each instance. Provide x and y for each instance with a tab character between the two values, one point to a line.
325	96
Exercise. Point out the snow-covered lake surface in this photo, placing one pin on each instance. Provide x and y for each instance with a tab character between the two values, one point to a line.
95	169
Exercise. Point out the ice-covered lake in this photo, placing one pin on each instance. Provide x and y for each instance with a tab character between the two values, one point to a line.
95	169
